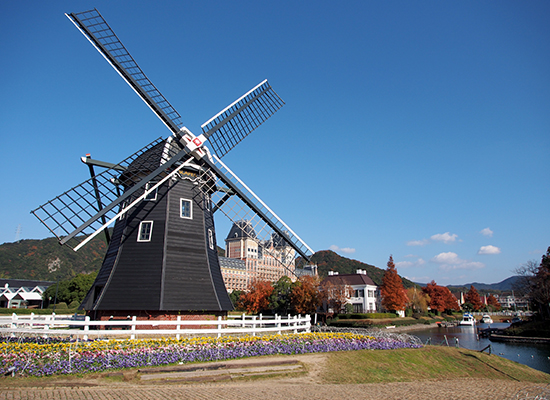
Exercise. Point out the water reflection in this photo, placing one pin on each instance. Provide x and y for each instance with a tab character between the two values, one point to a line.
534	355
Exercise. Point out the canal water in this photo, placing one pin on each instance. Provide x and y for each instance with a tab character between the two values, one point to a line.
536	356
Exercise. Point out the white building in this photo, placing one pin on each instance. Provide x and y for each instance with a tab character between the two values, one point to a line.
363	294
18	293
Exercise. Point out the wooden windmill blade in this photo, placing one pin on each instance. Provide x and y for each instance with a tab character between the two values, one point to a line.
94	27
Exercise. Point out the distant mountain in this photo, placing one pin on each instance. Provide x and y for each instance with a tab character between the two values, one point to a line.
46	260
504	286
327	260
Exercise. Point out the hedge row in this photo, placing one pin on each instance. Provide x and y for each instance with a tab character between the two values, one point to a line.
375	324
367	316
39	311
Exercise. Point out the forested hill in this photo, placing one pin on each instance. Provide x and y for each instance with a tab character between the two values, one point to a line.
47	260
327	260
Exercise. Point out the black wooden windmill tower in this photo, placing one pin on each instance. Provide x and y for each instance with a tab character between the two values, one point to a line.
162	256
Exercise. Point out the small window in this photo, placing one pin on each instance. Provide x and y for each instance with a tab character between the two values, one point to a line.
153	195
211	239
145	231
186	209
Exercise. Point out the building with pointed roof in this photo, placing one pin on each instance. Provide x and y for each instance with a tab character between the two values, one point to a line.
364	295
248	258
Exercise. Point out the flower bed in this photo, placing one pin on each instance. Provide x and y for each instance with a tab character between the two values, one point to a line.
43	359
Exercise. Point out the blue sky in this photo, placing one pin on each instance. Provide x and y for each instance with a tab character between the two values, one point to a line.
417	129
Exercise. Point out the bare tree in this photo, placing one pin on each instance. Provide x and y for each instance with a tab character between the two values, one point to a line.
535	283
526	272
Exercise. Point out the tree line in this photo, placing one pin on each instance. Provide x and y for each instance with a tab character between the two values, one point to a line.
432	296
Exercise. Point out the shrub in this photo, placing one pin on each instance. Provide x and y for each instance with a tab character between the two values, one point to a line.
74	304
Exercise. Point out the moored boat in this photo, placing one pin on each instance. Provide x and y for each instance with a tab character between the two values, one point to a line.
486	319
468	319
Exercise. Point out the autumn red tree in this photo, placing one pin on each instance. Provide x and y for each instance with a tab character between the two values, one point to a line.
493	302
305	297
441	298
392	291
472	297
256	299
450	301
436	296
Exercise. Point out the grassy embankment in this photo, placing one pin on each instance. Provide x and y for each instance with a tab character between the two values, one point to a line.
428	363
432	364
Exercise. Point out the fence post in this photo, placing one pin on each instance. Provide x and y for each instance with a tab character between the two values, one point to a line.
278	318
47	325
219	325
295	324
178	327
243	324
288	318
31	320
86	326
133	335
13	324
254	325
308	322
261	319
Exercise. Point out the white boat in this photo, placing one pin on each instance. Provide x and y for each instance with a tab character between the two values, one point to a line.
486	319
468	319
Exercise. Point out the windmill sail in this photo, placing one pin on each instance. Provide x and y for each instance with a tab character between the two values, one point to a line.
231	125
239	203
77	210
97	31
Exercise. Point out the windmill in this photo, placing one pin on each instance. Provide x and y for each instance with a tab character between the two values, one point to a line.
162	255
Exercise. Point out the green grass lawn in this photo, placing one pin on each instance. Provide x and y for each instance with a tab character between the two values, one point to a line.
428	363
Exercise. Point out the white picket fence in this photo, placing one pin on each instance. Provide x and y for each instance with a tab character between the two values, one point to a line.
84	328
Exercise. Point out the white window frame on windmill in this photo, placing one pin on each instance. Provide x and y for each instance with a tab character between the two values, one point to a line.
123	207
211	239
190	214
145	235
150	194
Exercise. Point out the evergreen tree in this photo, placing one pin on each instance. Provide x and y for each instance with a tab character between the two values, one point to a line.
279	301
541	289
392	291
